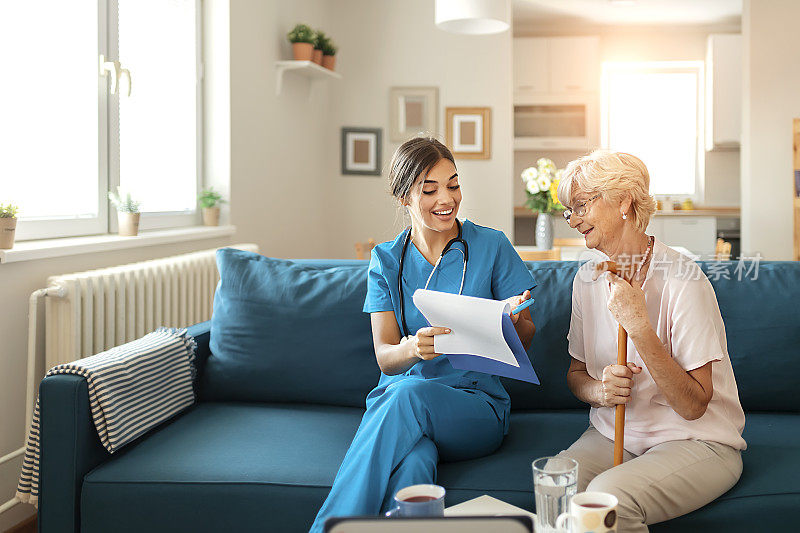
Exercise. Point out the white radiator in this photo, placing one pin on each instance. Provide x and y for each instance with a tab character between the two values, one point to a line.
103	308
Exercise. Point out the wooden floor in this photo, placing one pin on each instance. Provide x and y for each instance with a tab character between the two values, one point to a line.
27	526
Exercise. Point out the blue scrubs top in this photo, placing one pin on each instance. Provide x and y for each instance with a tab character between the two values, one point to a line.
494	271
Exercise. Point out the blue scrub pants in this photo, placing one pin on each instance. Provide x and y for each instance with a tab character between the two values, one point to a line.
402	435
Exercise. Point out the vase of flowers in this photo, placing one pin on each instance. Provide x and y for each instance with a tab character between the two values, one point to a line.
541	184
8	226
127	213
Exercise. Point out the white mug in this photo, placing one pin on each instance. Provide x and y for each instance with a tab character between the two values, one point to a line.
418	500
590	512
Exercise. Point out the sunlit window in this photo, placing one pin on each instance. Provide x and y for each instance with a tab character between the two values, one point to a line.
49	108
99	94
654	111
157	123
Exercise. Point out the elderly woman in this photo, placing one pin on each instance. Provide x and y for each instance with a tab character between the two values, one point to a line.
683	428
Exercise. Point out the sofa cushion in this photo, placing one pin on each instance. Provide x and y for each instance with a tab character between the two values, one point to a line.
548	351
221	467
290	331
209	469
761	325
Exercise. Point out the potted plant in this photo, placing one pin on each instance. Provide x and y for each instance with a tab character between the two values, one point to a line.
209	201
541	184
319	42
303	39
329	55
127	213
8	225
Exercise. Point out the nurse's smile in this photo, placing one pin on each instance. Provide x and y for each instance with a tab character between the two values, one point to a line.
435	206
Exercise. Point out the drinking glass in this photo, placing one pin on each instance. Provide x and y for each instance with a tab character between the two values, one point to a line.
555	481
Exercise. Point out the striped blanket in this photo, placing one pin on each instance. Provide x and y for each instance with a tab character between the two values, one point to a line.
132	388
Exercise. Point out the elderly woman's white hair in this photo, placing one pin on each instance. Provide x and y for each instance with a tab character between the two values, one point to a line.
613	175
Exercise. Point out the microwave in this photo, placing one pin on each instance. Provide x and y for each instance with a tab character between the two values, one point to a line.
571	125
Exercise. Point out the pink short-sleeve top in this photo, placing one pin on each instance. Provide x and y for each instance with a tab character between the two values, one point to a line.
683	310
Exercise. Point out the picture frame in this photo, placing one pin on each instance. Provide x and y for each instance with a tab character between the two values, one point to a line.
361	151
412	110
469	132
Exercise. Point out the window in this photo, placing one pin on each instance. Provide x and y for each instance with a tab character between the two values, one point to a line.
104	93
654	111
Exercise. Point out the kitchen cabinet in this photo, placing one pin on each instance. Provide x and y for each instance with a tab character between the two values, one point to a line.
574	64
696	233
723	91
556	93
530	66
555	65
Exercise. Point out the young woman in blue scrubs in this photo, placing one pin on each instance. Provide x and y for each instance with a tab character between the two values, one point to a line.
423	409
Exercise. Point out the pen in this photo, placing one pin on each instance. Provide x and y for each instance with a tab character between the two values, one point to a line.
522	306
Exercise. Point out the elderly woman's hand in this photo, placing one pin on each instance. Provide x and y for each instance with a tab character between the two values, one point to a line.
616	384
627	304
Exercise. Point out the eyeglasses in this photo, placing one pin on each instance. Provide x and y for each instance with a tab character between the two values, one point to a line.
580	209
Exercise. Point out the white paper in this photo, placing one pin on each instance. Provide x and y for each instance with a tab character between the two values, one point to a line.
475	324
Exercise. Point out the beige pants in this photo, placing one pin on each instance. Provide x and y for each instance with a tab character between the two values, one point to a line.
668	480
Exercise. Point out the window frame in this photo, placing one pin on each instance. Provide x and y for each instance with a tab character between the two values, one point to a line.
695	67
109	150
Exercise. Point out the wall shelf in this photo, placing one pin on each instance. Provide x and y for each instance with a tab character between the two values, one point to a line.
308	69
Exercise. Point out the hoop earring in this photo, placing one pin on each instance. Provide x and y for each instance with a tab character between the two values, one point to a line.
624	216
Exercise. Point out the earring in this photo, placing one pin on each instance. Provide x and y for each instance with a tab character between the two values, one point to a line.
624	216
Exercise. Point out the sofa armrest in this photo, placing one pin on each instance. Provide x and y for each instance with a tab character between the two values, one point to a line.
69	449
69	445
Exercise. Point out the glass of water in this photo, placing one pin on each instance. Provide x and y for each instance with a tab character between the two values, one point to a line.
555	482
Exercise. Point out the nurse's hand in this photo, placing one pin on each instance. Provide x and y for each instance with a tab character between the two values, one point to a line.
518	300
422	342
616	385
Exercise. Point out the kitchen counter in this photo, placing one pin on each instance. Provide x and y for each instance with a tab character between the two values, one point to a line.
732	212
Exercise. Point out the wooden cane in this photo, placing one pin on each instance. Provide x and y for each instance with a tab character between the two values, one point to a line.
622	359
619	415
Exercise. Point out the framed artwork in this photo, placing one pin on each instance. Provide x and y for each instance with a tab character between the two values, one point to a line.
469	132
361	151
413	110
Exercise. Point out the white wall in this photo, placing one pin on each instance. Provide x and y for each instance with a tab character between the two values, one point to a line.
383	44
771	45
278	170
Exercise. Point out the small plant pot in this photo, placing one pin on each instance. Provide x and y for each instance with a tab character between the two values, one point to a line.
329	62
128	224
8	227
317	57
211	216
303	51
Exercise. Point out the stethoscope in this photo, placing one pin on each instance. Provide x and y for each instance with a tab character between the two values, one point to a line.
447	248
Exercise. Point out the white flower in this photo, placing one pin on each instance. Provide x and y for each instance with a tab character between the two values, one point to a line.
543	181
529	174
532	187
546	165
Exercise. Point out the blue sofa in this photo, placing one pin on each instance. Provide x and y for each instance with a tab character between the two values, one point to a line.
283	370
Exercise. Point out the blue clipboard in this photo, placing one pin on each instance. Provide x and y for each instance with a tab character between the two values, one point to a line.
477	363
